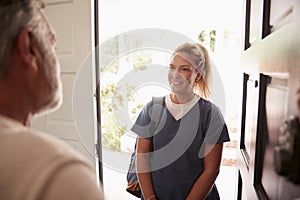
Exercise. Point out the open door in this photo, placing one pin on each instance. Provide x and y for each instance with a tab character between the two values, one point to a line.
73	24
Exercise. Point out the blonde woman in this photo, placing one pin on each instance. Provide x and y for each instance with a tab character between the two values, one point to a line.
181	158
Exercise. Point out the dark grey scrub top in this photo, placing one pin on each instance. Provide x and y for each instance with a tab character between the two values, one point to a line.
177	158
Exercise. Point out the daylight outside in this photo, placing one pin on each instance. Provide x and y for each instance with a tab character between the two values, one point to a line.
133	68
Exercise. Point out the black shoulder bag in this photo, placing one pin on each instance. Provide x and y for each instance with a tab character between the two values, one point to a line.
133	186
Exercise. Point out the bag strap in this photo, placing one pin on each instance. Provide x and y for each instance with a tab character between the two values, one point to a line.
156	113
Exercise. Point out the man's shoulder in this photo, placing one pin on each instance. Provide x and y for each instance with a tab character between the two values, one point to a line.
39	148
51	145
14	137
35	157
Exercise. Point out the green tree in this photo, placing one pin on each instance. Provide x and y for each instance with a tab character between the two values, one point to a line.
209	38
113	97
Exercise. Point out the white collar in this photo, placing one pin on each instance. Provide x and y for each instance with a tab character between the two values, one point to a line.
179	110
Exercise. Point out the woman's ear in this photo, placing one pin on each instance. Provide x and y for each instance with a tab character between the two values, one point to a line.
198	76
27	49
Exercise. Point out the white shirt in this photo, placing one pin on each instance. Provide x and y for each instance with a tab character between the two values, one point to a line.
179	110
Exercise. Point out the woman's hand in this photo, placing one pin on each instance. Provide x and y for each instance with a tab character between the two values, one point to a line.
143	169
212	162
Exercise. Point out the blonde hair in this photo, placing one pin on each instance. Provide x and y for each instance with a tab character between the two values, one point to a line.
199	58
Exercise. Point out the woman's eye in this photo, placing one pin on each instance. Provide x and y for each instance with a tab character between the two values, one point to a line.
171	68
186	69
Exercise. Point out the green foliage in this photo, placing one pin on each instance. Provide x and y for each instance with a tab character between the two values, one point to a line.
201	36
113	97
111	100
139	59
212	43
209	38
109	52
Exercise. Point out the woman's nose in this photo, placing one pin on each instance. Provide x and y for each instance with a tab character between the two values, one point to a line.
174	73
177	74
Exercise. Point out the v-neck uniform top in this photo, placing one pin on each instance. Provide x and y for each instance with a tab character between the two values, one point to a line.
177	158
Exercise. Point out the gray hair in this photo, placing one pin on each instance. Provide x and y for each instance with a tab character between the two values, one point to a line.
15	15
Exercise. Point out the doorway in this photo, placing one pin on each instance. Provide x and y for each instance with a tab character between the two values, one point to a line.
125	30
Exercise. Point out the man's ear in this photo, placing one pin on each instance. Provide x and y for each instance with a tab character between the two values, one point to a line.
28	49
